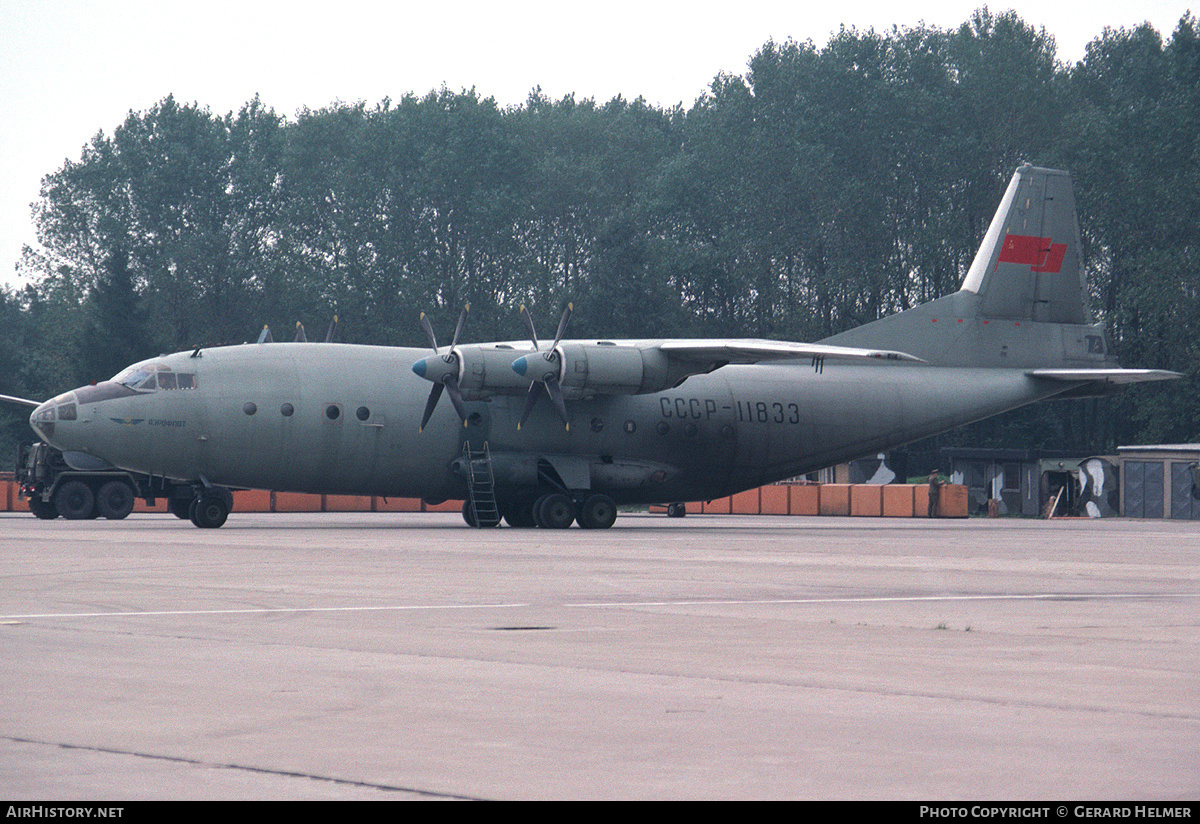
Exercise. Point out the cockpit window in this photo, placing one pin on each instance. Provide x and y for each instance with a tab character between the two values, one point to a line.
150	377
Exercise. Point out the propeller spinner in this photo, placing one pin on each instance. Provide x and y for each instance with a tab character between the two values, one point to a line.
544	367
443	370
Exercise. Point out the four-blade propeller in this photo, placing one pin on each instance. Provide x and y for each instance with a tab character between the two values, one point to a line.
443	370
544	368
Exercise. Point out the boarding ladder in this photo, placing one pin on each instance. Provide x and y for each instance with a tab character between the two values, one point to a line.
481	485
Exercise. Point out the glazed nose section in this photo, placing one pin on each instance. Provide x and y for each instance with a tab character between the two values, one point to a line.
42	421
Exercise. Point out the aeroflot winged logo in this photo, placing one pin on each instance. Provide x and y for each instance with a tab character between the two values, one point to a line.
1038	252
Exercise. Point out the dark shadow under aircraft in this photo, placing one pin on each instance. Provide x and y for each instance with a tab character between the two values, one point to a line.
552	435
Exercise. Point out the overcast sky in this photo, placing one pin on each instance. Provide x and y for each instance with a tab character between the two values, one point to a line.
71	68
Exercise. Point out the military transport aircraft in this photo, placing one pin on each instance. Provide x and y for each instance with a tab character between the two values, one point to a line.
622	421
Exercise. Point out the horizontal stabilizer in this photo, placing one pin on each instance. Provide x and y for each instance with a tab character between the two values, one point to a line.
1119	376
753	351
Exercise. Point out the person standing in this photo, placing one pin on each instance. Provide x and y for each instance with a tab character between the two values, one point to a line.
935	489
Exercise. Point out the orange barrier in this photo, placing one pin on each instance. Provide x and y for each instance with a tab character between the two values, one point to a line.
859	500
252	500
397	504
748	502
898	501
866	500
773	500
347	503
834	499
804	499
296	502
721	506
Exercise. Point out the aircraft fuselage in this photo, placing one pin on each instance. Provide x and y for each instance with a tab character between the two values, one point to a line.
343	418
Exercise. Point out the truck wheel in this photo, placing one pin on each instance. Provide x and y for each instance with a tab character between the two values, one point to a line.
46	510
115	500
75	501
209	511
181	508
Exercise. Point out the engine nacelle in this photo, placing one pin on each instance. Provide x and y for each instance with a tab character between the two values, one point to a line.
605	368
583	369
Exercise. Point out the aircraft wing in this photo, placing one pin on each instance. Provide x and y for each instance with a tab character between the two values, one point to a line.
741	350
25	401
1115	375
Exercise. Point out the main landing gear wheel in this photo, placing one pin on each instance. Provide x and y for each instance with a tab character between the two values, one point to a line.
597	512
115	500
209	511
554	511
519	514
75	501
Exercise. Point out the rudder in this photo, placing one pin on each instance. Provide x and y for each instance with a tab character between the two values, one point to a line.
1029	266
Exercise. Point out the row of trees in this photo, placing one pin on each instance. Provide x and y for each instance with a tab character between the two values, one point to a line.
820	189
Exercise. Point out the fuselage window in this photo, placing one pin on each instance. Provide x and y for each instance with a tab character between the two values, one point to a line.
286	410
250	408
333	412
363	413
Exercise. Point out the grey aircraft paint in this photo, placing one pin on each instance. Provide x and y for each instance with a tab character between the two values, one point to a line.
645	421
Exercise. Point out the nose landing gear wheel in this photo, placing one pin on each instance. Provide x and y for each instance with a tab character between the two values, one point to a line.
473	519
209	511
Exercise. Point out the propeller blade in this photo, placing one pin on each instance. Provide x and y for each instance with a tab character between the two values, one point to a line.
265	335
428	327
462	320
431	404
534	390
562	324
556	395
300	337
456	398
529	322
332	330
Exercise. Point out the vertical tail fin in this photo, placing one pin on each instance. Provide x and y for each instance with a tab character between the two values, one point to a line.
1023	301
1029	266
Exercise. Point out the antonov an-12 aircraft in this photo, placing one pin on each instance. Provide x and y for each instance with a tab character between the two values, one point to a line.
552	435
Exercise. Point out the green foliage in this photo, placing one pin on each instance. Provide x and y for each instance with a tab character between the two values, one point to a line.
821	189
